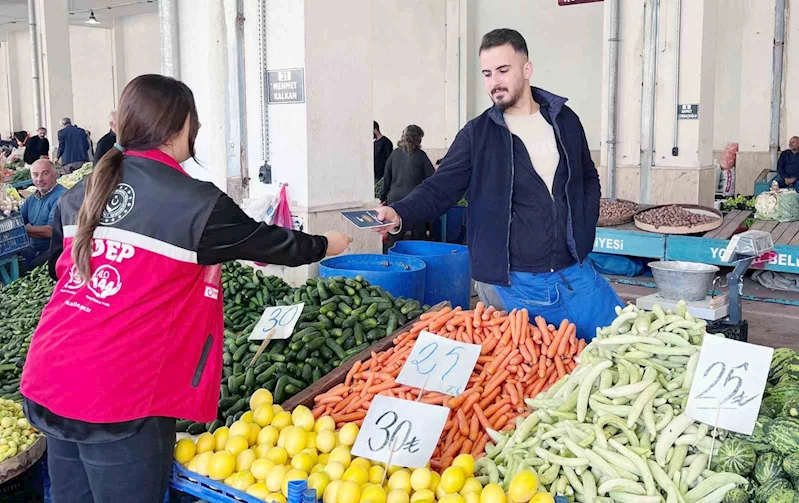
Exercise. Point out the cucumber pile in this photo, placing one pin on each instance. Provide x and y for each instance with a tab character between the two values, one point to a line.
21	305
341	318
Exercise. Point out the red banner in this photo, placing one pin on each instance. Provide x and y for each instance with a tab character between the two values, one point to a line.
575	2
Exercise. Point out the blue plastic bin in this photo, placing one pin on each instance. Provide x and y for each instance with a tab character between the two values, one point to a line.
399	276
13	236
448	274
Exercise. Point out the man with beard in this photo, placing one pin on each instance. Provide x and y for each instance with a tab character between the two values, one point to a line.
533	197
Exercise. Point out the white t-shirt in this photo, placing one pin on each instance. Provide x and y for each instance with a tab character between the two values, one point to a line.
539	140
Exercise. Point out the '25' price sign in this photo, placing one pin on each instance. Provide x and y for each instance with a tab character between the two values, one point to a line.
410	429
728	384
439	364
281	318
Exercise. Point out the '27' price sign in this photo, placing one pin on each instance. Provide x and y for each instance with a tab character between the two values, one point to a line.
439	364
410	429
281	318
728	384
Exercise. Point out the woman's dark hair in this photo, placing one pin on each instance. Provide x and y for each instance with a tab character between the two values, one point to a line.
503	36
411	140
152	111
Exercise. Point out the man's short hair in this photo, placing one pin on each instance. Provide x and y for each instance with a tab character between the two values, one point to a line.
377	126
42	129
504	36
66	121
48	162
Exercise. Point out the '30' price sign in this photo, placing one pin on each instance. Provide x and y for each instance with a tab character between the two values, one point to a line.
410	429
439	364
280	318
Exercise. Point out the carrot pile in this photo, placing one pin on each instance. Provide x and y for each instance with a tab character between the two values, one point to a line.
519	359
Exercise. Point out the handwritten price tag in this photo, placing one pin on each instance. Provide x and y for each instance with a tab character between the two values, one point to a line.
728	384
439	364
281	318
411	429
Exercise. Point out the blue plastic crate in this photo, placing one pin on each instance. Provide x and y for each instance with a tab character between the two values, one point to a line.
209	490
13	236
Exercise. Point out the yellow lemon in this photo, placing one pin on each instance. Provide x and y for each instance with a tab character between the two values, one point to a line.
260	468
263	415
260	397
205	443
374	494
376	474
347	434
421	479
275	498
303	417
259	490
310	440
292	475
281	420
356	474
240	429
471	498
323	459
331	491
245	459
255	430
184	450
204	463
302	461
192	464
235	445
362	462
492	493
317	468
318	481
452	480
335	470
281	438
452	498
466	463
242	481
277	408
220	437
295	440
268	436
274	479
472	485
326	441
401	479
543	498
423	495
278	456
348	492
394	469
324	423
523	487
246	417
228	481
398	496
262	450
342	455
435	479
221	465
440	493
311	452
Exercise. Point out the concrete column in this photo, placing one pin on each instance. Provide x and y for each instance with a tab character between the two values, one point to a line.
56	64
5	97
687	177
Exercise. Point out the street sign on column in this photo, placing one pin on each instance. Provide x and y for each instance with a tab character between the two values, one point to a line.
575	2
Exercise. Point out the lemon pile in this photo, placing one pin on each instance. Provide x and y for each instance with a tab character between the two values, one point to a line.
16	433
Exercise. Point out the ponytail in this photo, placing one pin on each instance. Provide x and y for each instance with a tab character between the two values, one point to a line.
99	187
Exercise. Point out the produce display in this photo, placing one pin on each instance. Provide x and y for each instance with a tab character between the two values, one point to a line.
79	174
10	201
16	433
781	205
739	202
22	175
673	216
615	428
341	317
613	209
518	359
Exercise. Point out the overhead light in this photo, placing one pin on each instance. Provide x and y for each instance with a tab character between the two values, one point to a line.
92	19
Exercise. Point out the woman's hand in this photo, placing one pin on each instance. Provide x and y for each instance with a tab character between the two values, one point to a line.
337	243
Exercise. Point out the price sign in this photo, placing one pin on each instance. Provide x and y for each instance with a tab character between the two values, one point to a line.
410	429
439	364
728	384
281	318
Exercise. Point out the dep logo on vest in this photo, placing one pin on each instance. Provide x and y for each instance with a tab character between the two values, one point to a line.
119	205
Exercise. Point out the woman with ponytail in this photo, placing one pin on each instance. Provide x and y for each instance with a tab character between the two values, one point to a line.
133	336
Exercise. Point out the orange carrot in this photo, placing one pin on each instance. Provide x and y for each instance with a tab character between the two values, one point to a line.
345	418
489	398
489	411
556	340
474	428
463	424
559	366
481	417
542	327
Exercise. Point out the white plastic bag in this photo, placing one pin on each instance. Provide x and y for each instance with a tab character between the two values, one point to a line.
263	209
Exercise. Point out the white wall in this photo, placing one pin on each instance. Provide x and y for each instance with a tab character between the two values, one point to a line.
565	46
22	83
139	37
728	74
790	104
92	78
5	103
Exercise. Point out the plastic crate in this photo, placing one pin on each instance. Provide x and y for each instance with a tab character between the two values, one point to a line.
209	490
13	236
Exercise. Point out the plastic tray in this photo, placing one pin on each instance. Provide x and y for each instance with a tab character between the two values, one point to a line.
209	490
13	236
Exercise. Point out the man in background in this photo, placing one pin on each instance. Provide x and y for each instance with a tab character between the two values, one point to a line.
383	148
37	147
73	146
106	143
38	210
788	165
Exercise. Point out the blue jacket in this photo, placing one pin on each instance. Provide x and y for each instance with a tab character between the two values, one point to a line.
73	145
513	221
